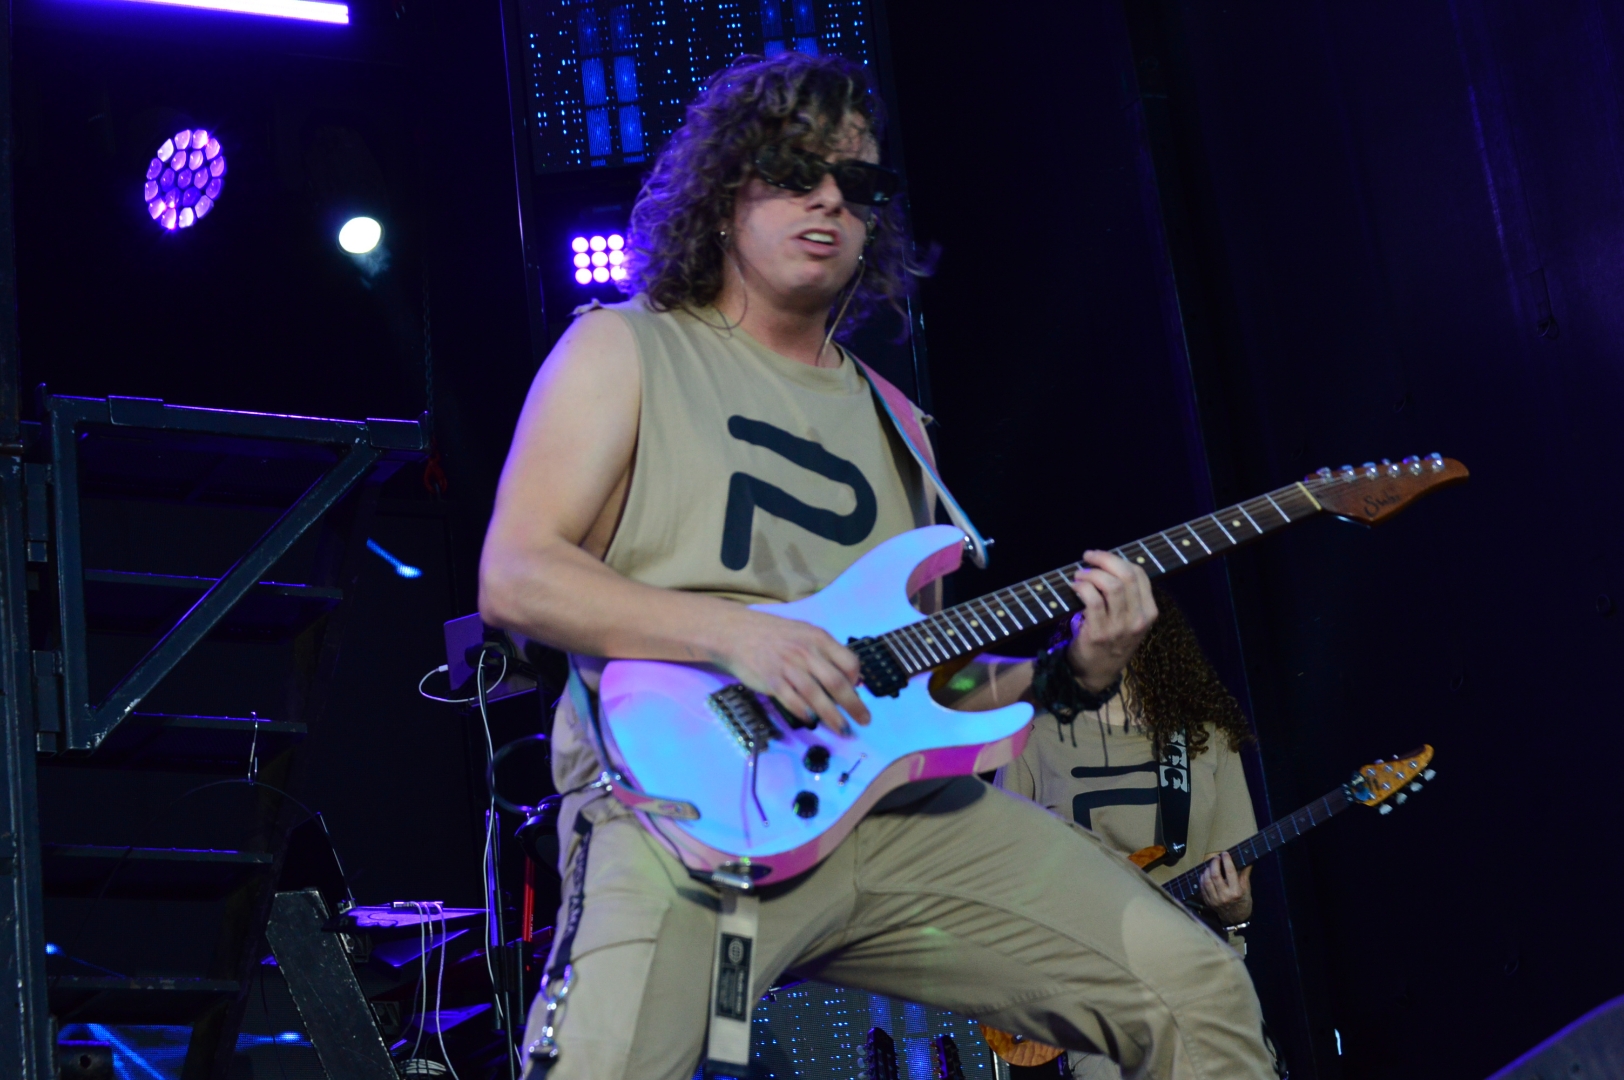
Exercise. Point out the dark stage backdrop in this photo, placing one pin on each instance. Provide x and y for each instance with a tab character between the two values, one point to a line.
1394	228
403	115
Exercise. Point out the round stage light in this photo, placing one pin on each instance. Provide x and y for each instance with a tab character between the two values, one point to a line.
599	259
184	179
617	273
616	258
599	243
578	244
616	242
360	235
584	276
600	274
583	260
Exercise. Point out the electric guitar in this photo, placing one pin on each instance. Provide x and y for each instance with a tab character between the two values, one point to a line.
1382	784
748	795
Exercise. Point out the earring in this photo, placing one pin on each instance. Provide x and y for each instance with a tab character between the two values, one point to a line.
721	237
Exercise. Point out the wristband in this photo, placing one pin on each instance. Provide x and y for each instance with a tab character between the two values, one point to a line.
1055	685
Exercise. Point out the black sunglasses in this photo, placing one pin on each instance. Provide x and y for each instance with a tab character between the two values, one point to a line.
794	169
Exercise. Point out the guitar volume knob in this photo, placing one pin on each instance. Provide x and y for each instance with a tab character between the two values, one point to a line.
816	759
806	804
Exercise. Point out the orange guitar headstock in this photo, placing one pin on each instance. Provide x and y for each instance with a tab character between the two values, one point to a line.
1374	492
1376	783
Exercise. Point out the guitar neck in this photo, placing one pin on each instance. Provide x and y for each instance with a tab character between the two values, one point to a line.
1187	886
983	624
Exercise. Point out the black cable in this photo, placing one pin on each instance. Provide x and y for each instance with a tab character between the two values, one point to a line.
490	775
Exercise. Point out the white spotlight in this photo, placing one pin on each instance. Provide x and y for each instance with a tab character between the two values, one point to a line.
360	235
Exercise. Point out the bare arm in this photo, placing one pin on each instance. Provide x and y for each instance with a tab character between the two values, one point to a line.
542	573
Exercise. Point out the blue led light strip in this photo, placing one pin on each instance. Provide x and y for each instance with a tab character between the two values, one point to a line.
308	10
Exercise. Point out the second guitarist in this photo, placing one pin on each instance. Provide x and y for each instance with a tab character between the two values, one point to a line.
1156	763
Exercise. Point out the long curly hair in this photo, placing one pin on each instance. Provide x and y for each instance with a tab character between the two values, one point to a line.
676	256
1170	686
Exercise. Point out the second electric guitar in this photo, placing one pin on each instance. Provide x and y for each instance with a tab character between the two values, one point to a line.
751	796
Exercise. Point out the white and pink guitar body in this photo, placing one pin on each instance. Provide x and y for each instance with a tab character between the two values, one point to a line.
666	730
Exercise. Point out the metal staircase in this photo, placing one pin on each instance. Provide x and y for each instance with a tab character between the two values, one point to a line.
181	563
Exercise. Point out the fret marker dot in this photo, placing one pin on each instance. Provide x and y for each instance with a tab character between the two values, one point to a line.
950	632
974	623
1236	523
1186	543
1053	604
1000	614
1140	559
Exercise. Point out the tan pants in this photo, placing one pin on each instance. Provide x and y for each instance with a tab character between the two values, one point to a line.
974	901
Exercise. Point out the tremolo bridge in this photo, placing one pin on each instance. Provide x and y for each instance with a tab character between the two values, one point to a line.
741	710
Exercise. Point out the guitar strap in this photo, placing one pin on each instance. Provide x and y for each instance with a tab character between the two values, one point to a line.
901	411
1173	798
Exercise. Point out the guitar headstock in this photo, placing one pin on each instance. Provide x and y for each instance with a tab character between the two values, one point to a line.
1376	783
1374	492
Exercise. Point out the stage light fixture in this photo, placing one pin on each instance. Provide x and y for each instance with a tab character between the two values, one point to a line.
599	258
184	179
360	235
304	10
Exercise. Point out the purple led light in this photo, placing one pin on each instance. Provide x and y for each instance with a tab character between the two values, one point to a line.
307	10
598	258
184	179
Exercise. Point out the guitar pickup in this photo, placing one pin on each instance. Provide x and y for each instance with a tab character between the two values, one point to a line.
739	708
883	676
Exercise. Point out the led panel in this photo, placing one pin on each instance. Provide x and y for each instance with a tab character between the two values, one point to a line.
607	80
597	259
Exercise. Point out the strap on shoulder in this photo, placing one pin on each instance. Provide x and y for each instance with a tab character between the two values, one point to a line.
901	411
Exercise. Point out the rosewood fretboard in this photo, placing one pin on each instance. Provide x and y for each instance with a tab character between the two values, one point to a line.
1187	886
981	624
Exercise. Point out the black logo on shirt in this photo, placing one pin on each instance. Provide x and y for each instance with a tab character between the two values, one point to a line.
1085	803
746	493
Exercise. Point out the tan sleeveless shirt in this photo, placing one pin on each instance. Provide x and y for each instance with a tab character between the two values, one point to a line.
756	478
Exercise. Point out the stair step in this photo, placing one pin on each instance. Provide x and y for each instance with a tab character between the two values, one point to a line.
109	999
128	602
182	743
148	873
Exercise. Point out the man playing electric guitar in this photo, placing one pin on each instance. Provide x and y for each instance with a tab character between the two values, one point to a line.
704	444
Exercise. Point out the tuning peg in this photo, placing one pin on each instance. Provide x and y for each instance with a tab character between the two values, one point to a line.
1385	809
1416	786
1429	774
1369	469
1436	460
1347	472
1413	463
1323	473
1400	798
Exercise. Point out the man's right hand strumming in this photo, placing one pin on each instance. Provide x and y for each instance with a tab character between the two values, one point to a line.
810	673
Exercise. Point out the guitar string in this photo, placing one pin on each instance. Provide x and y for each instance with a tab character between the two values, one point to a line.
1063	603
1188	884
930	642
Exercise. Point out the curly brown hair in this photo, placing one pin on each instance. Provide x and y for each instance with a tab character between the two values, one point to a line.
1171	686
675	257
